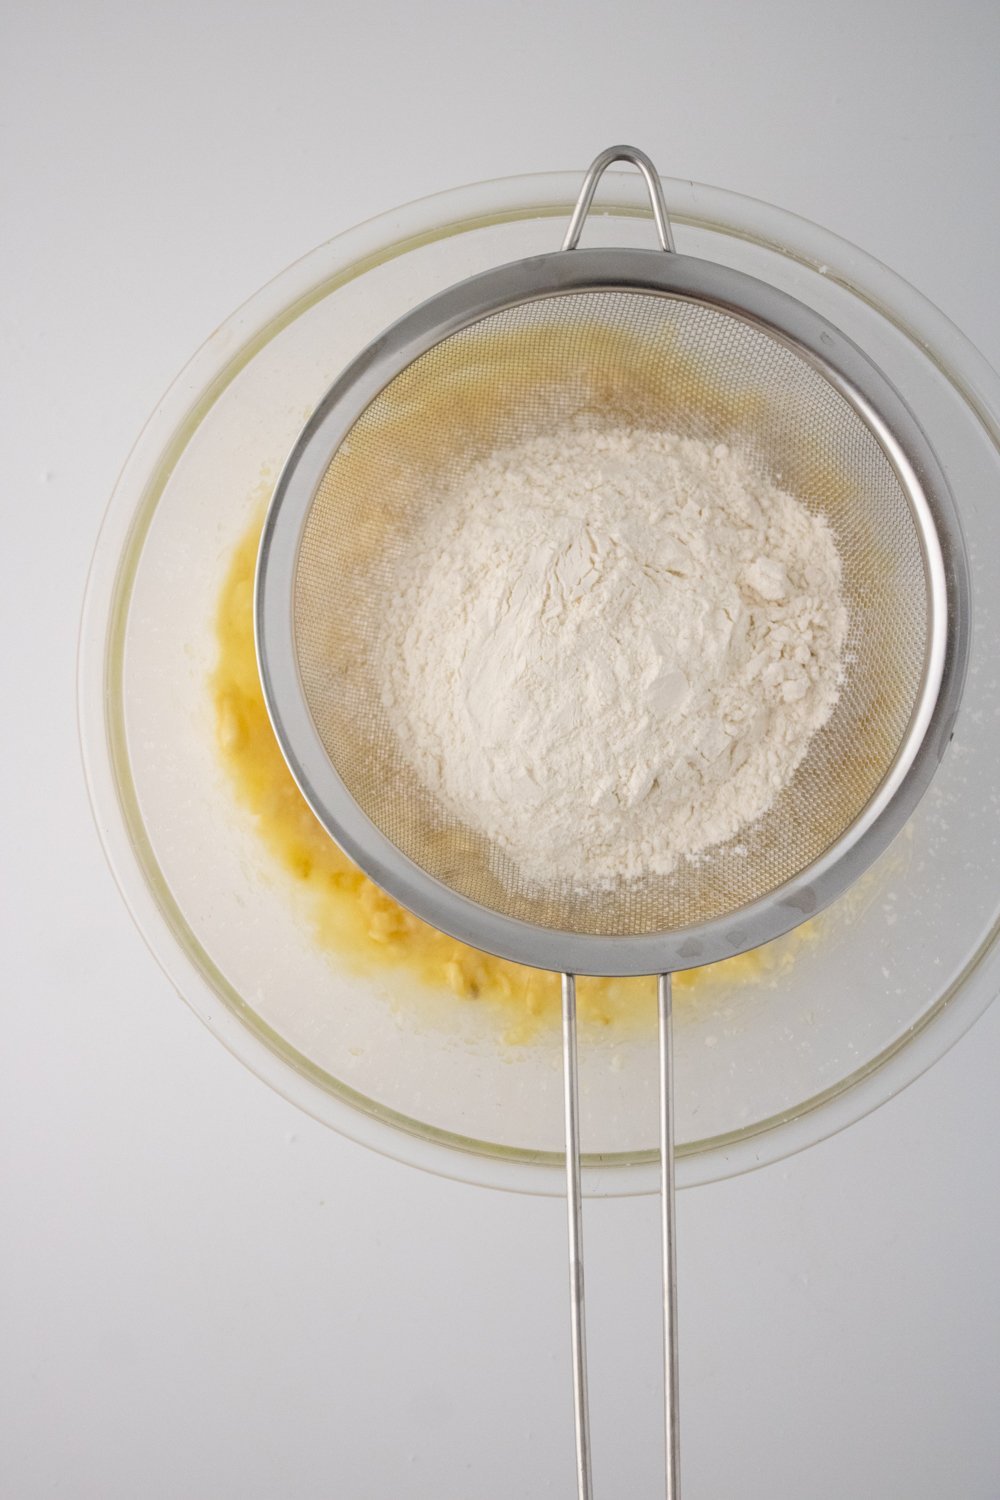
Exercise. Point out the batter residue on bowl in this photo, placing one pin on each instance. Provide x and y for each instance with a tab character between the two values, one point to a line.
349	914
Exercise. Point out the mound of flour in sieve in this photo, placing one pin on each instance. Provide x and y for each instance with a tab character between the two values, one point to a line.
609	649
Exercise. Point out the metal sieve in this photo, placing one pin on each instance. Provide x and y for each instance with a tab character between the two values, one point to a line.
646	338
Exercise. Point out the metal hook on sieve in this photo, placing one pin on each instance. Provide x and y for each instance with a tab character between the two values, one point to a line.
598	168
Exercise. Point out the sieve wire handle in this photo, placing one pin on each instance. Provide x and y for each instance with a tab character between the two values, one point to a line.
574	1203
671	1384
597	170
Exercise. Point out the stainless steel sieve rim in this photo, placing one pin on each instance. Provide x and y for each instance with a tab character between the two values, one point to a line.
886	415
887	420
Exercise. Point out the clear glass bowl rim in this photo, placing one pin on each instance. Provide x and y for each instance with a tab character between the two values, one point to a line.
129	512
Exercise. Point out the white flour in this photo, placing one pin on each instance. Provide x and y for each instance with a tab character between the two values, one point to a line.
607	650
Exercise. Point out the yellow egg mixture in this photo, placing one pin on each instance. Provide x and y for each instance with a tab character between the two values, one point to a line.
356	920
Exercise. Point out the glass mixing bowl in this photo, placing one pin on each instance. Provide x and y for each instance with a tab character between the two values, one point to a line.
892	975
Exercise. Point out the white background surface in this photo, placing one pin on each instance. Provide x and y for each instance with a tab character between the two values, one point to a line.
203	1294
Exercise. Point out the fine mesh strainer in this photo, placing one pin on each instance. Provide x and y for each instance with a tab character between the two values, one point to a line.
659	340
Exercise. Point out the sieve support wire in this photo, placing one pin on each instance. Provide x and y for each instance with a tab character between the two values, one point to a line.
574	1203
671	1383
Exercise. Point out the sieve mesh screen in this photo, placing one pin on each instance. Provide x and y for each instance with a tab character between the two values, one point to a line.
648	360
